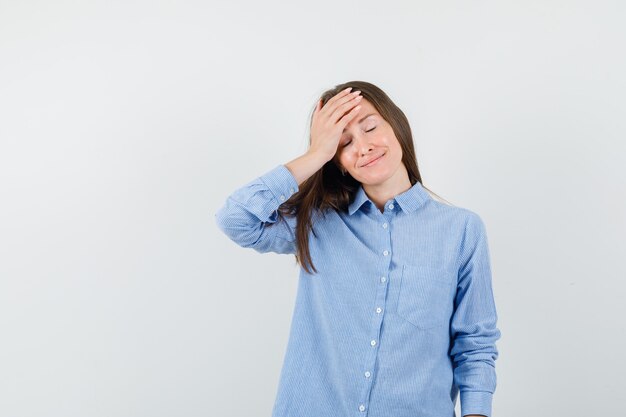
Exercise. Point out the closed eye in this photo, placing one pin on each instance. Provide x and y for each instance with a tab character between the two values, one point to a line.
348	142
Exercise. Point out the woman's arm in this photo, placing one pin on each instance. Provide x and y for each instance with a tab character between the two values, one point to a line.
250	215
473	326
306	165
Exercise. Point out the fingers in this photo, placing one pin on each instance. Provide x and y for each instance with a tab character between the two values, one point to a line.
349	116
339	95
345	105
337	100
339	107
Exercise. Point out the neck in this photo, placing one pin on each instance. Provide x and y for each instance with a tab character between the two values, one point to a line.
396	184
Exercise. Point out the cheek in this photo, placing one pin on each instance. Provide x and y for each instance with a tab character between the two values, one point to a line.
346	159
397	150
394	145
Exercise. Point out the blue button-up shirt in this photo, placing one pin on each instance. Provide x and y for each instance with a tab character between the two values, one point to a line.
400	317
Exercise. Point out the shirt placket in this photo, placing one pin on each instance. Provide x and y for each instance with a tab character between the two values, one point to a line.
378	310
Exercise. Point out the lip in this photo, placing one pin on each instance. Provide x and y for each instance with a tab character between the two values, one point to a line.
373	162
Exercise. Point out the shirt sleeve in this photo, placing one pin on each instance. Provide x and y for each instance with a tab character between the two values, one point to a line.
250	215
473	325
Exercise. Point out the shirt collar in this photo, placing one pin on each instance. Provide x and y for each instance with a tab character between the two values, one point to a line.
408	201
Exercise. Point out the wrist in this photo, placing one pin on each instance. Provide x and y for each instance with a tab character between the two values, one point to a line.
317	157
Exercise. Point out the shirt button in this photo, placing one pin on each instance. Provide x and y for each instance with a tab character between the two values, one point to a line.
282	197
390	206
291	190
384	225
373	343
378	310
367	374
361	407
385	252
383	279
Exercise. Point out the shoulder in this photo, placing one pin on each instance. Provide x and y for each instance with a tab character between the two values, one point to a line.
461	224
454	214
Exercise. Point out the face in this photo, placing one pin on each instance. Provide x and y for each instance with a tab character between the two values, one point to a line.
368	148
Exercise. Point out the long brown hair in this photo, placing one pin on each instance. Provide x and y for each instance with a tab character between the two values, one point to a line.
328	188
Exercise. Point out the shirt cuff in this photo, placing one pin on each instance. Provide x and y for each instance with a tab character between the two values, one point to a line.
281	182
476	402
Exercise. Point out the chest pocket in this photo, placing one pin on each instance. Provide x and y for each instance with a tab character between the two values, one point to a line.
426	296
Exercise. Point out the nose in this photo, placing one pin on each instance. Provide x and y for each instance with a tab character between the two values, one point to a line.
363	145
365	149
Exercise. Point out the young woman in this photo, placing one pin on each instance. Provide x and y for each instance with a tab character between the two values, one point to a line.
394	314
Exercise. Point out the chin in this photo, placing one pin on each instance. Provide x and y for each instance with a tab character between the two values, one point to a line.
374	178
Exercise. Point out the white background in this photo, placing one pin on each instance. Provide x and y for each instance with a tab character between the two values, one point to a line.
125	125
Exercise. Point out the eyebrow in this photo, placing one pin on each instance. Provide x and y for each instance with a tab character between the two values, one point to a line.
362	118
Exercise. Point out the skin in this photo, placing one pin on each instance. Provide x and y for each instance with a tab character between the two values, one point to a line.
362	140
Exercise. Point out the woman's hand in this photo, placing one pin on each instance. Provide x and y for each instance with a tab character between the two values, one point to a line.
329	121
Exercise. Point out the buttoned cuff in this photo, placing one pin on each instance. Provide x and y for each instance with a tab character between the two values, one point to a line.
281	182
476	402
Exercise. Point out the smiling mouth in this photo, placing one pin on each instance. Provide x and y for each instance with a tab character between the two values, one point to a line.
374	161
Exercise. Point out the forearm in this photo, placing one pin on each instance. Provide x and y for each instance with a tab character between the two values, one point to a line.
305	165
249	215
